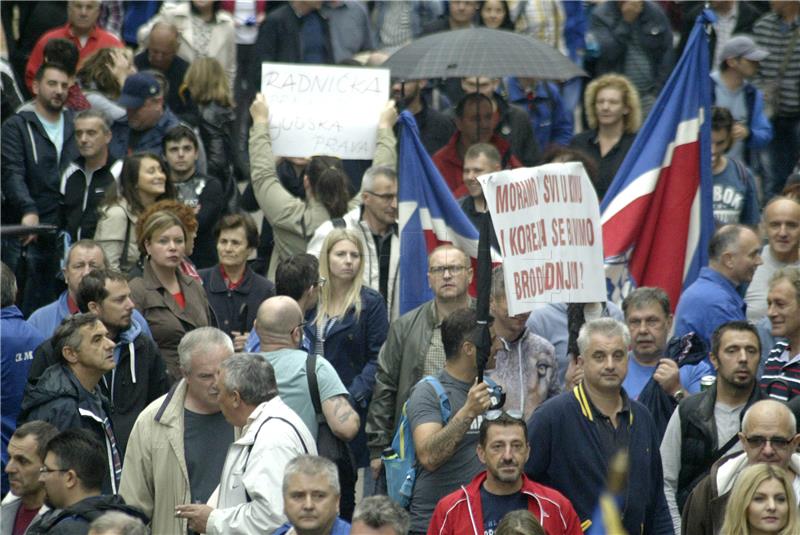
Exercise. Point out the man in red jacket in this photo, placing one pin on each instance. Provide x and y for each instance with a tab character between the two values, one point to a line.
478	508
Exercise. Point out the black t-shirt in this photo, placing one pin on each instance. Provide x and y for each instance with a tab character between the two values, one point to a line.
495	508
206	438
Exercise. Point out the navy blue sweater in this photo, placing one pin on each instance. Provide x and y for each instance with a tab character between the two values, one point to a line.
566	455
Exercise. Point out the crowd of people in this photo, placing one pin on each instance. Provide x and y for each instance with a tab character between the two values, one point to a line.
172	365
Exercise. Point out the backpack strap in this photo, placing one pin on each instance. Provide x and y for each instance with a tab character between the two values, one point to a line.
444	401
313	386
250	447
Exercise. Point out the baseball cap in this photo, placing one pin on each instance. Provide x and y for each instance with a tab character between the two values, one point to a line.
138	88
741	46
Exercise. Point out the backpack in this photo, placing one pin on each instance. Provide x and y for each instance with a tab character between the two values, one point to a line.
401	462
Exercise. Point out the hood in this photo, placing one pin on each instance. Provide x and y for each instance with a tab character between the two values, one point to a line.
11	312
728	469
27	107
56	382
96	506
127	338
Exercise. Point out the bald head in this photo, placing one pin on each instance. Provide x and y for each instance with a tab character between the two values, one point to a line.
277	321
782	226
772	420
162	45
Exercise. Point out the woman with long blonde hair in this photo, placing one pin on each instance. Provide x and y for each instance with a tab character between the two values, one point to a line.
348	329
762	502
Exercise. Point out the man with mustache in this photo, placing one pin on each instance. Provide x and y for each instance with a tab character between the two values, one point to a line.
503	447
704	427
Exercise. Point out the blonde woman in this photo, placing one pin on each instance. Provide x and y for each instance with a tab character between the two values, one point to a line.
348	329
762	502
614	114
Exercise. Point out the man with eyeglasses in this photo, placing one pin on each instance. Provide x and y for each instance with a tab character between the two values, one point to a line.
413	347
503	447
769	435
375	221
279	325
704	428
72	474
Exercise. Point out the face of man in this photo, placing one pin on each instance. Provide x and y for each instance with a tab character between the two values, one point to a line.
310	503
769	425
116	310
147	115
605	363
475	167
381	201
745	67
505	453
51	90
81	261
783	309
649	326
610	107
782	225
96	350
55	482
82	15
737	359
508	327
181	157
463	12
478	122
481	84
162	45
404	93
23	466
449	274
745	257
720	143
92	136
201	378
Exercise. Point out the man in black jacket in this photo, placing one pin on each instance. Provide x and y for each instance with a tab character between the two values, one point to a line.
72	474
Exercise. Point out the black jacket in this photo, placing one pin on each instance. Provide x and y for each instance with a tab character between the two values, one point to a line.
227	304
139	378
83	195
32	167
57	399
75	520
205	191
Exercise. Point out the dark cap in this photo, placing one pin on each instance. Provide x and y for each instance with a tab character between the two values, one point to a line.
138	88
741	46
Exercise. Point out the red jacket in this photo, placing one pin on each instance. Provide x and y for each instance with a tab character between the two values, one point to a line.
451	166
460	512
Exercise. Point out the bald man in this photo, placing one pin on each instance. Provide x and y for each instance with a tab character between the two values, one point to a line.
769	435
279	325
161	54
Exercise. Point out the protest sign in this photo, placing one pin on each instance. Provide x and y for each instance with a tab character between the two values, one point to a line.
547	223
324	110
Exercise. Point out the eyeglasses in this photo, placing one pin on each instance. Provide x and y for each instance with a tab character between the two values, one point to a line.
299	326
497	413
757	441
385	197
44	470
439	270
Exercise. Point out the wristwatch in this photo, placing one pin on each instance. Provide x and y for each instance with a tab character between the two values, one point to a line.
679	395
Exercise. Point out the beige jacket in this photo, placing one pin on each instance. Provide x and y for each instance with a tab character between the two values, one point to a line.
294	220
110	234
154	474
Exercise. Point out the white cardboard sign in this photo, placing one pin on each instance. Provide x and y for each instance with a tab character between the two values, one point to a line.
324	110
547	222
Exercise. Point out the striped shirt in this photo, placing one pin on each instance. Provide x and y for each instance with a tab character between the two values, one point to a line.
771	33
781	377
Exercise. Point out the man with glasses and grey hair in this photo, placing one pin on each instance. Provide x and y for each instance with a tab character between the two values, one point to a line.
177	447
249	499
575	435
769	435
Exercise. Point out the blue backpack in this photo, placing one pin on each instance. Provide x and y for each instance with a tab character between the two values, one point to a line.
401	463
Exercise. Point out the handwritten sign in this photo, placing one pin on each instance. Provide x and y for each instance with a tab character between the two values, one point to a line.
324	110
547	223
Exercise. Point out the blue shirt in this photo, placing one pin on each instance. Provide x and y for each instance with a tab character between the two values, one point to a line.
709	302
639	375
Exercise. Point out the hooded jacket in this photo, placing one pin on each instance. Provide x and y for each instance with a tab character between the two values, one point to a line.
59	399
461	511
75	519
138	378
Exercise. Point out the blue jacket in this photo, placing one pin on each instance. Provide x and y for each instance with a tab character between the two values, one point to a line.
566	455
340	527
550	121
17	342
150	140
707	303
47	319
757	121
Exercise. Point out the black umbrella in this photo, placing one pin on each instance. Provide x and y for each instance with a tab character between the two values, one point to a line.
480	52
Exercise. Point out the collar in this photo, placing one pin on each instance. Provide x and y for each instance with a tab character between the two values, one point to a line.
72	306
590	411
92	33
228	283
714	276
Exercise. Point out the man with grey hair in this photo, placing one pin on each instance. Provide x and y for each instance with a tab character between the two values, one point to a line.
116	523
311	494
714	298
574	436
376	223
769	435
249	498
177	447
525	364
379	515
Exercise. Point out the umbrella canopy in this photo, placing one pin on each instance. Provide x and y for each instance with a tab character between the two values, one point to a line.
480	52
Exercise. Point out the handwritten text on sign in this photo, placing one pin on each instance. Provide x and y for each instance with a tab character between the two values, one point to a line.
324	110
547	223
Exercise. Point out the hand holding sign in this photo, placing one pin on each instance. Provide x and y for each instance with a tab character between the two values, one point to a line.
259	110
388	116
